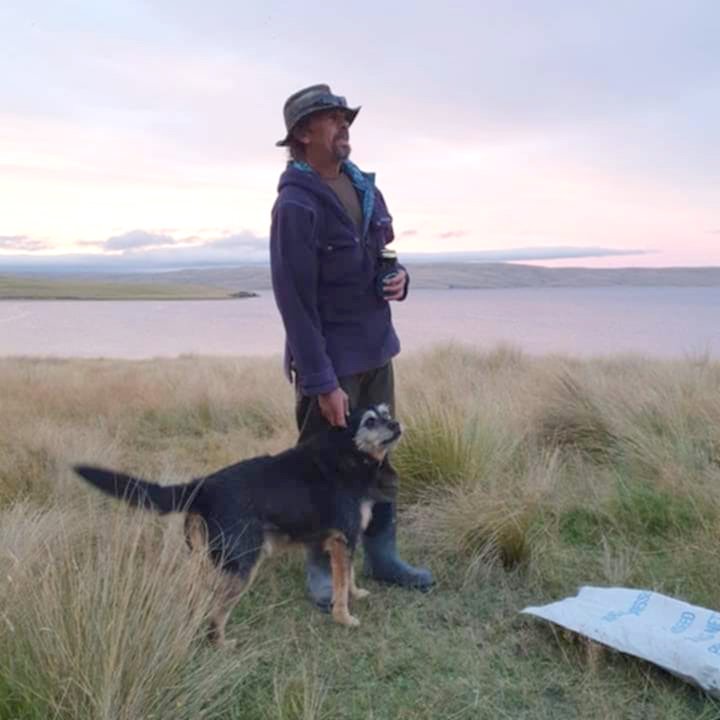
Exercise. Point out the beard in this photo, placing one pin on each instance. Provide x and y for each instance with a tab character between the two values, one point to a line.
341	149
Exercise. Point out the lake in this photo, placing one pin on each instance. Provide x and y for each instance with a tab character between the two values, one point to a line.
661	322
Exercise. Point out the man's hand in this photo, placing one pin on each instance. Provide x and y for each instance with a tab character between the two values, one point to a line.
395	287
334	407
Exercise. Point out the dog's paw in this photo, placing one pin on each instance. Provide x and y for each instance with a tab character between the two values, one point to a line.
346	619
359	593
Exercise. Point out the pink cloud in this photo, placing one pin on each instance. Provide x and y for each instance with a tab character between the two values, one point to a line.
22	242
452	234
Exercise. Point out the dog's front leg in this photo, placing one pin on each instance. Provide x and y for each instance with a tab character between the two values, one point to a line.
341	566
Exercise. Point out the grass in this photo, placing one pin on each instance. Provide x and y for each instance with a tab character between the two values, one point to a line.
103	619
28	288
523	478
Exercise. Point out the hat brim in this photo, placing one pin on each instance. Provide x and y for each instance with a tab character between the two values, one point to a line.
351	112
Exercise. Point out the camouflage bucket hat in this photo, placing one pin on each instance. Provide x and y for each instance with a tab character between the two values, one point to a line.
310	100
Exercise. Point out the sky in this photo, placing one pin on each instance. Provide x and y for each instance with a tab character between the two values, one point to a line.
547	130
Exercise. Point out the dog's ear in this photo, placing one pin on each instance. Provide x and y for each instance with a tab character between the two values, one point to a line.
355	417
341	437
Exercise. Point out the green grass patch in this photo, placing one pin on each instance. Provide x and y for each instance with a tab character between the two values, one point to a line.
22	288
583	526
648	511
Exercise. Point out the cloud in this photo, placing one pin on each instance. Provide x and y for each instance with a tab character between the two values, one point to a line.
241	246
247	249
159	250
22	242
452	234
520	254
245	241
91	243
137	239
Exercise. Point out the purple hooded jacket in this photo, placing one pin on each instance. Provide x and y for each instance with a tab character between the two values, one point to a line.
323	275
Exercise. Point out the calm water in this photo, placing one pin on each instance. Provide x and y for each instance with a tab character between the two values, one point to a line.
667	322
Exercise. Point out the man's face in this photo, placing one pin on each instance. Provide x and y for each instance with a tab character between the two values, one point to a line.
328	135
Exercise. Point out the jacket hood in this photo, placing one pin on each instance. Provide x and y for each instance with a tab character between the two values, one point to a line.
300	174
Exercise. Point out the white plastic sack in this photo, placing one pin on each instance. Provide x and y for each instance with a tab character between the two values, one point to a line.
682	638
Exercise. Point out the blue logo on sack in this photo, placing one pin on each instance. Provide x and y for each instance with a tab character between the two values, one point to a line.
686	620
712	628
636	609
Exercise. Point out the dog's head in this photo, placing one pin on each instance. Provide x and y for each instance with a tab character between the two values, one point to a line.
374	430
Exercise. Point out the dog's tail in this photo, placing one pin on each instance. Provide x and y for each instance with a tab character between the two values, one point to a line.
139	493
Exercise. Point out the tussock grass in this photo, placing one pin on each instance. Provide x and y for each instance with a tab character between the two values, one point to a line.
522	479
571	414
300	695
103	618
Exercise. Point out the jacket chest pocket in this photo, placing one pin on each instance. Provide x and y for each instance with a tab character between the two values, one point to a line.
341	259
381	231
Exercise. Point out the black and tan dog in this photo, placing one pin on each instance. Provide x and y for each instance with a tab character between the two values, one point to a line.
319	491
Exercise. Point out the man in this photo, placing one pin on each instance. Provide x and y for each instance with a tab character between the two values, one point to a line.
329	226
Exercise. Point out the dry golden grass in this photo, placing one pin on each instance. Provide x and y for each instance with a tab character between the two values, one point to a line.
102	612
533	475
168	419
103	617
500	447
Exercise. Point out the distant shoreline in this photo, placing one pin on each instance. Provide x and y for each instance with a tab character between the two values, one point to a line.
72	289
248	280
449	289
189	298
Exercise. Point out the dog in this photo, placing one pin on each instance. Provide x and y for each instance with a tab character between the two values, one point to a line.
319	491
